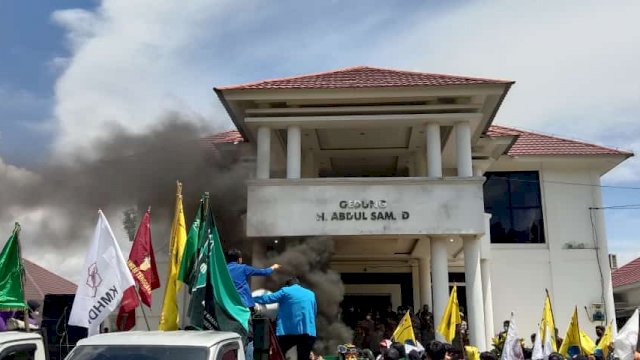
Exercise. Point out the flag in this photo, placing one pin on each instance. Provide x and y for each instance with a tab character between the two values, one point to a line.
605	341
572	345
451	317
142	264
11	272
587	344
169	316
512	349
627	338
548	326
193	243
404	331
103	281
471	353
215	302
545	343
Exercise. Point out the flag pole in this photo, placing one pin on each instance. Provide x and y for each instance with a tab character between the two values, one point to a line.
144	313
16	231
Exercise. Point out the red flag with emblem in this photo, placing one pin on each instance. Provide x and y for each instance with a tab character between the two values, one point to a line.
142	264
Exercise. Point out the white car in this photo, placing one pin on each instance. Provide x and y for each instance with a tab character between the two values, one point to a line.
160	345
19	345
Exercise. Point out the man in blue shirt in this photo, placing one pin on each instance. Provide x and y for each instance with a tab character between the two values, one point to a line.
240	274
296	322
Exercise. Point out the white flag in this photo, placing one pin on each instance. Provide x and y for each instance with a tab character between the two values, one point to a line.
538	352
627	339
104	279
512	349
548	342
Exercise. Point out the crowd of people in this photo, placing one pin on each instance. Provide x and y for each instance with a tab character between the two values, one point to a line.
371	327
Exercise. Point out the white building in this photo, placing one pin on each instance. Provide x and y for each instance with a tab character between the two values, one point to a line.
419	190
626	288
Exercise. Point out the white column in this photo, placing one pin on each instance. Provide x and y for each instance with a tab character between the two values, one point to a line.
439	278
293	152
463	149
415	282
434	151
487	299
263	158
425	281
473	281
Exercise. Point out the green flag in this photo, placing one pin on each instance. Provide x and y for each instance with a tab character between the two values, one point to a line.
215	302
194	240
11	292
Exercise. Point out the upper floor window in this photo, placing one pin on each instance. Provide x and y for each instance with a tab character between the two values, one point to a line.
513	200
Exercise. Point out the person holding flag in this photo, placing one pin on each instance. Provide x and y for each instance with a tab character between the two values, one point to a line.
604	343
104	279
142	264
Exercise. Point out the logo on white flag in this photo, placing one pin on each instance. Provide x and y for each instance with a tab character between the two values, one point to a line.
94	279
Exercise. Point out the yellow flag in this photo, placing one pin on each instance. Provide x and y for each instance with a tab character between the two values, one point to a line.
572	343
404	331
548	323
472	353
169	316
587	345
605	342
451	317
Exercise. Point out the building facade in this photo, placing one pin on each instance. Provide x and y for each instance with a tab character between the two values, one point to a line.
419	191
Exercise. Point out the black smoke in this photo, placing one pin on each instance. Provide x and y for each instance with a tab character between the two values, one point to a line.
308	259
132	171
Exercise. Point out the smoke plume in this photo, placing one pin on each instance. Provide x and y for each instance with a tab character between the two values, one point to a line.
309	261
57	204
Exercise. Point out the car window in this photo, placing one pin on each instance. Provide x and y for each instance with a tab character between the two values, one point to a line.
138	352
19	352
228	352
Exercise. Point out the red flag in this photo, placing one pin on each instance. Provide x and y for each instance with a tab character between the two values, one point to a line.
127	319
274	348
142	264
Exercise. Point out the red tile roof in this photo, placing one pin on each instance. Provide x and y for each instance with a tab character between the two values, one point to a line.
627	274
40	281
527	143
231	136
363	77
532	143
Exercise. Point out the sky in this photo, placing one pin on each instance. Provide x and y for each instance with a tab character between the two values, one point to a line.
70	71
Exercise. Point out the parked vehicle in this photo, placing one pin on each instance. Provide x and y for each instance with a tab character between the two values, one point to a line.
160	345
18	345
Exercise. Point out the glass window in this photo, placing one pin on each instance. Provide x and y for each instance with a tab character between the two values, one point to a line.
138	352
513	200
19	352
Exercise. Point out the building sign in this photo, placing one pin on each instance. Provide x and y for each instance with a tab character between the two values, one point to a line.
362	210
336	206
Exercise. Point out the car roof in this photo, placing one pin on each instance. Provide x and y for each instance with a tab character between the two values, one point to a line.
179	337
9	336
